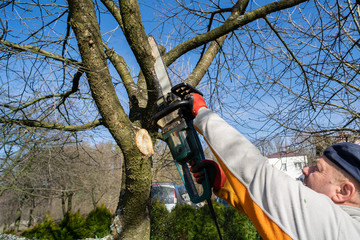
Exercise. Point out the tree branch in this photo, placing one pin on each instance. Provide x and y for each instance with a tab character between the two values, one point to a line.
138	41
36	50
227	27
294	58
215	46
48	125
122	69
115	11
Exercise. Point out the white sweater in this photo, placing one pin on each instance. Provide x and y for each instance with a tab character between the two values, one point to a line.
278	206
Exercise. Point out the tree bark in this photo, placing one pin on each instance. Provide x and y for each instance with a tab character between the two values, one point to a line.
31	212
63	202
19	214
132	221
69	201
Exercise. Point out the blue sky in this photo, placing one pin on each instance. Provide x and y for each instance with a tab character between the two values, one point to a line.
246	119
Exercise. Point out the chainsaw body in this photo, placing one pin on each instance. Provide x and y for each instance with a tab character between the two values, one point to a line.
175	120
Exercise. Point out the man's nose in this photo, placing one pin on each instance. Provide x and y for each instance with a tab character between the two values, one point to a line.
306	171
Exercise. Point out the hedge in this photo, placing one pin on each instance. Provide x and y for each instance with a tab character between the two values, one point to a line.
74	226
187	223
182	223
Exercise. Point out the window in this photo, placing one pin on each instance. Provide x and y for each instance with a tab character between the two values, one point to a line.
298	165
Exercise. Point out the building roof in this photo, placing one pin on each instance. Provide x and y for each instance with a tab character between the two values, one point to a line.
285	154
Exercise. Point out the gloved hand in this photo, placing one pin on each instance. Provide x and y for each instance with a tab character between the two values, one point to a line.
196	102
216	175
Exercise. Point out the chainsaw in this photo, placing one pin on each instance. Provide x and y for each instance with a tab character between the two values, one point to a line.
174	118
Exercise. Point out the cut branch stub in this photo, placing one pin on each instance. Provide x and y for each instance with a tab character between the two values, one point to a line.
144	143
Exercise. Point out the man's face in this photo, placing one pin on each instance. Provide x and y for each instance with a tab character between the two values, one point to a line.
321	177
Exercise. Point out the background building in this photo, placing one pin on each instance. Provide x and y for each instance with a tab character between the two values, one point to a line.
289	162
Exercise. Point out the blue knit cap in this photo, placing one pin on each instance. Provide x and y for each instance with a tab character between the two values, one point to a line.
347	156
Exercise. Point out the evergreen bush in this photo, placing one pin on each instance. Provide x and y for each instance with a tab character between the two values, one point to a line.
73	227
99	220
187	223
183	223
45	230
237	225
158	221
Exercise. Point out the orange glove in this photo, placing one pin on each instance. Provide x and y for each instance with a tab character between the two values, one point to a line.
216	175
197	102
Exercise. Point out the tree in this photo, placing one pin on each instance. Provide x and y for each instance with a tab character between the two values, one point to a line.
65	178
100	171
20	149
71	75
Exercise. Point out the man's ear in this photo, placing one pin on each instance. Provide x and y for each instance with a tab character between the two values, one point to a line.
344	193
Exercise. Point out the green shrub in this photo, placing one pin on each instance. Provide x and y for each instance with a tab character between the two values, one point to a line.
98	221
45	230
237	225
158	221
187	223
182	222
73	227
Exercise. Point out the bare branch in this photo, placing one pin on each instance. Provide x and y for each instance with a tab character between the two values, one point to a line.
48	125
36	50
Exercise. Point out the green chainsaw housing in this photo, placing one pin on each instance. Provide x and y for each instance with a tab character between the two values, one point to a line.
182	140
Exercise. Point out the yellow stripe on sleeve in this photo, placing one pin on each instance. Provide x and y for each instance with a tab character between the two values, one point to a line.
237	195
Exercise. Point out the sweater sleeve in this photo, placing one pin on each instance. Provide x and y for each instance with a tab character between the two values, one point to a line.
279	206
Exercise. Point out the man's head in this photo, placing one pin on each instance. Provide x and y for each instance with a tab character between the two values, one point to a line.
337	174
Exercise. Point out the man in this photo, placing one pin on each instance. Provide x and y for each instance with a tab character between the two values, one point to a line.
329	177
280	207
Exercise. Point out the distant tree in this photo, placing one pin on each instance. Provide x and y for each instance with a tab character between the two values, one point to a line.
63	172
100	170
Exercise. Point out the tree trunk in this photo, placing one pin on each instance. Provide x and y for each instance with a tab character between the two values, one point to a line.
63	203
18	215
93	197
31	212
69	200
133	221
18	218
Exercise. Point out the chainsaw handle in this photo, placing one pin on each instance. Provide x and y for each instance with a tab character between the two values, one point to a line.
191	189
197	158
189	183
184	89
181	90
170	108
